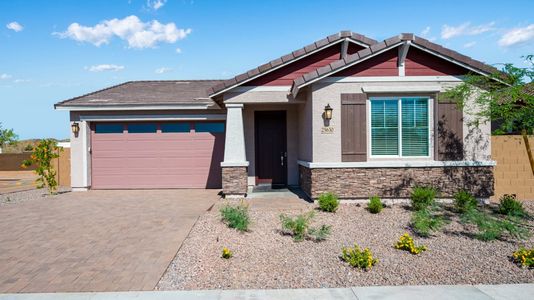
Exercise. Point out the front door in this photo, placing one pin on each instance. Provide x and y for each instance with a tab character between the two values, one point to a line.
271	148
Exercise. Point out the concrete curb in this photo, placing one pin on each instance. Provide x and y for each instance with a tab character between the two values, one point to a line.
471	292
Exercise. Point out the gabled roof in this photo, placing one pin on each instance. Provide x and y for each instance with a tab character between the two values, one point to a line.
289	58
146	93
375	49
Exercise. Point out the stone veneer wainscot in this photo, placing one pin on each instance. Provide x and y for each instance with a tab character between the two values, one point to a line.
361	183
234	181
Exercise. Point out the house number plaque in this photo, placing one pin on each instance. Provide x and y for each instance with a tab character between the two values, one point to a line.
327	130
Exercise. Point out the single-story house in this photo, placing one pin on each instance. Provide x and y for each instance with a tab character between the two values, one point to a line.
345	114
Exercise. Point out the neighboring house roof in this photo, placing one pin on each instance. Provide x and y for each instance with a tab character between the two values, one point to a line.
383	46
289	58
146	93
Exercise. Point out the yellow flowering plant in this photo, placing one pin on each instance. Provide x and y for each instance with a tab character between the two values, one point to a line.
358	258
524	257
406	242
226	253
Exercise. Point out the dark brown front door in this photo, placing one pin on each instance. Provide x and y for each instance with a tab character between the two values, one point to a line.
271	148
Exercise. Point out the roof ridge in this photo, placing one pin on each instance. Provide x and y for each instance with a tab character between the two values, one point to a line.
294	55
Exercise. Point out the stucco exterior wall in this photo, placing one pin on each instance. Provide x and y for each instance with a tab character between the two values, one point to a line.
305	131
327	146
292	114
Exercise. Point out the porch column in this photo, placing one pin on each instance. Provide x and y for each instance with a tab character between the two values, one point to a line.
235	164
80	162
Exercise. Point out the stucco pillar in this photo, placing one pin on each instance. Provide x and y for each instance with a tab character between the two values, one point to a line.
235	164
80	175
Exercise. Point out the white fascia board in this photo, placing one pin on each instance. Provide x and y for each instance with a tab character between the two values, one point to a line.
100	118
281	66
131	107
396	164
267	88
335	79
401	89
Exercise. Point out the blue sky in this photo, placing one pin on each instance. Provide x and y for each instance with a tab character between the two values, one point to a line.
55	50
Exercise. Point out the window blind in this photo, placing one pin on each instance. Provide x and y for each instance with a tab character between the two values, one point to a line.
414	127
384	127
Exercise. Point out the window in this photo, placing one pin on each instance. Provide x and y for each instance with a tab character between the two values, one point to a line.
142	128
108	128
175	127
209	127
400	127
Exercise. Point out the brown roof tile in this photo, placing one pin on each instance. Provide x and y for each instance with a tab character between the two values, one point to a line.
294	55
153	93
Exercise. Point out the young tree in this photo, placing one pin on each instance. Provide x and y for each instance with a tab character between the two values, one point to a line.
42	156
506	98
7	137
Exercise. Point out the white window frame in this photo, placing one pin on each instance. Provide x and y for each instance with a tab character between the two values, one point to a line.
430	104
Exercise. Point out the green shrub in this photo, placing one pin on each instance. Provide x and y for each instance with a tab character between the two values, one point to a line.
299	227
424	222
491	228
524	257
464	201
406	243
510	206
321	233
328	202
358	258
423	197
375	205
236	216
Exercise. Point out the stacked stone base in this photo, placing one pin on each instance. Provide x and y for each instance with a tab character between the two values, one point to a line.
361	183
234	181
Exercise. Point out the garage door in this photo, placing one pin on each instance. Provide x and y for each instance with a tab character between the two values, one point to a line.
156	155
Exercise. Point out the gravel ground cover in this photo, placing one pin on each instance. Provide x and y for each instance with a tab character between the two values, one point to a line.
29	195
264	258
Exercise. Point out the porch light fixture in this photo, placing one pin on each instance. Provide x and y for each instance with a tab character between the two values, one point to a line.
328	112
75	127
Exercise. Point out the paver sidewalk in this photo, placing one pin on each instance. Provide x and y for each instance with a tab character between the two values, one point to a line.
468	292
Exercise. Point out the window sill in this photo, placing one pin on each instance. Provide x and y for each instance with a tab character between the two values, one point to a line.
396	164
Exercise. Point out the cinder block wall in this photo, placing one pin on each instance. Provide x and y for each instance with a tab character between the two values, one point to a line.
512	173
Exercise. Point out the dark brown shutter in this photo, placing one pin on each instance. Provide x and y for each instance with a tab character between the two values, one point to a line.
449	131
353	127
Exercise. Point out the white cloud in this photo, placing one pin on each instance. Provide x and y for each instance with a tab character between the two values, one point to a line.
162	70
470	44
448	32
425	31
21	80
104	67
5	76
15	26
178	50
155	4
138	34
517	36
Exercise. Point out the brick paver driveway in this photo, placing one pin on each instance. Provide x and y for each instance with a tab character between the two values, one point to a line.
96	240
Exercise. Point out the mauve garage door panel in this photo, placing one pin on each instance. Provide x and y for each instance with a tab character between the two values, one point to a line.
156	160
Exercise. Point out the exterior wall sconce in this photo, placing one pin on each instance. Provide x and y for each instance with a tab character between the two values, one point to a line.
328	112
75	127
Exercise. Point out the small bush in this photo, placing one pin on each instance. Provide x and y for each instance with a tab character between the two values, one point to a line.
358	258
510	206
423	197
491	228
328	202
524	257
406	242
299	227
464	201
236	216
424	222
375	205
226	253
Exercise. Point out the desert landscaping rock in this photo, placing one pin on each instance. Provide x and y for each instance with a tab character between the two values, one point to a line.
264	258
30	195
